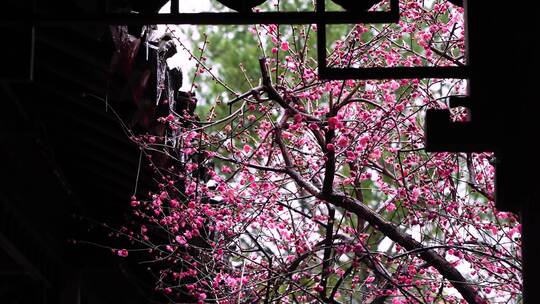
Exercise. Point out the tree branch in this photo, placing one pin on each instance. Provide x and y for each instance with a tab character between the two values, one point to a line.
328	242
275	96
434	259
330	163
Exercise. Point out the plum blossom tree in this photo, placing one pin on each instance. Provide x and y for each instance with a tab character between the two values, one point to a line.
302	190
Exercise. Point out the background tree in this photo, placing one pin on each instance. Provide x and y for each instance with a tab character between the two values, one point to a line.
320	191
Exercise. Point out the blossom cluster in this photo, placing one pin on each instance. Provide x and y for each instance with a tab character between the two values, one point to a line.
309	190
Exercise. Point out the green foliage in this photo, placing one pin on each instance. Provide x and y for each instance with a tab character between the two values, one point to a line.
233	51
